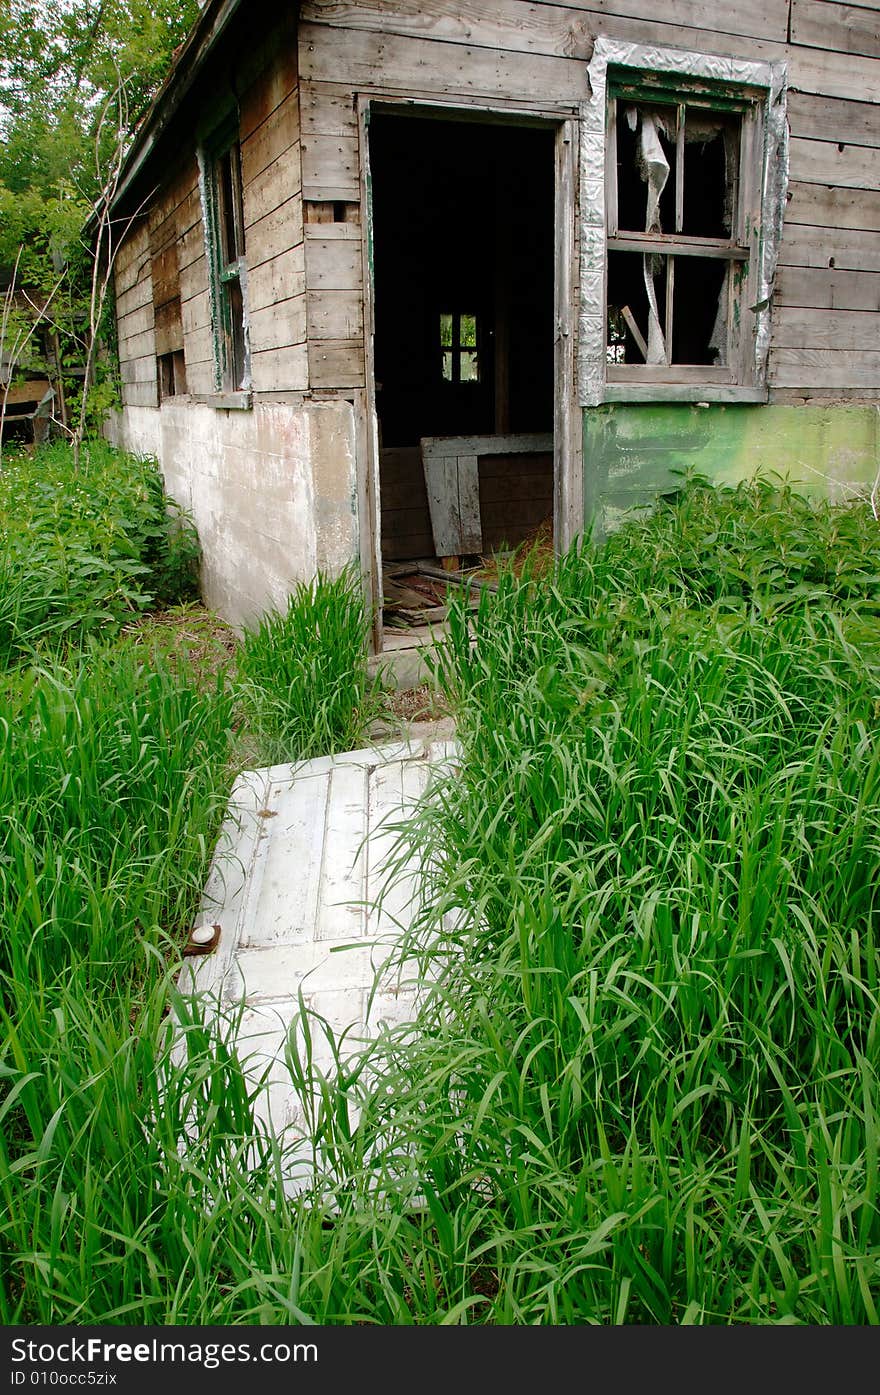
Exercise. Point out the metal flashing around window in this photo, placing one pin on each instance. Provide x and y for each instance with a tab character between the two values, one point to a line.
726	79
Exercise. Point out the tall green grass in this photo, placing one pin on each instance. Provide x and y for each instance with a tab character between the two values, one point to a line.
302	672
646	1086
643	1084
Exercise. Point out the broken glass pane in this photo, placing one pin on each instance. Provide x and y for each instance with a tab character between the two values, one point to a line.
447	366
699	316
634	175
469	371
711	167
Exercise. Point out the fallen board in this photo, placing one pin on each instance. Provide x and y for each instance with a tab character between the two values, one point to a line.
301	891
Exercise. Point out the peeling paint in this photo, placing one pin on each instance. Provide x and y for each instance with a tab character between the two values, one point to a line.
633	453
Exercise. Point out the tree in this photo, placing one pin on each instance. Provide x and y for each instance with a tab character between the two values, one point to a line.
61	64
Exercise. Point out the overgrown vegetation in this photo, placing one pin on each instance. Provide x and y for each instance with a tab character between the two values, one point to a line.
83	548
75	78
643	1087
302	672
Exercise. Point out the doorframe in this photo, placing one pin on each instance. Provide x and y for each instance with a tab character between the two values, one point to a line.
568	482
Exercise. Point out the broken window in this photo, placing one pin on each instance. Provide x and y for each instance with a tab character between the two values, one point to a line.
167	313
225	236
679	241
459	354
172	374
678	251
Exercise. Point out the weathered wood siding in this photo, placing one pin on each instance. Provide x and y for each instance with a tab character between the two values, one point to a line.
272	199
135	322
164	256
826	319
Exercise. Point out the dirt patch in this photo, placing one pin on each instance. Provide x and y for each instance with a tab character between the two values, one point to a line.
422	704
189	636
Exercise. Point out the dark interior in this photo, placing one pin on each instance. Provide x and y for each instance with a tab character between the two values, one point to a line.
709	191
463	235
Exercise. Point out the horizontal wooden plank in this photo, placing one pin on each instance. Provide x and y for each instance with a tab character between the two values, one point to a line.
327	109
832	162
335	314
540	28
824	289
280	278
191	246
327	105
282	369
132	262
824	368
392	61
349	231
830	118
199	347
138	295
194	280
336	364
196	313
821	206
334	264
135	346
847	249
199	376
330	162
821	395
269	89
276	233
140	394
138	370
165	275
838	28
168	328
278	326
278	133
531	443
842	330
30	390
272	187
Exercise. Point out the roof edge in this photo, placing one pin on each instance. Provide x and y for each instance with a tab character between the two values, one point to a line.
197	46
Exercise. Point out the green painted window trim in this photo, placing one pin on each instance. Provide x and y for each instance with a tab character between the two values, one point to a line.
223	138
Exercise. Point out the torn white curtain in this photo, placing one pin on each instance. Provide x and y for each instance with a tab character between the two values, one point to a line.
655	168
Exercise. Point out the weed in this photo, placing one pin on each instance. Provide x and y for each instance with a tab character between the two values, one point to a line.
302	673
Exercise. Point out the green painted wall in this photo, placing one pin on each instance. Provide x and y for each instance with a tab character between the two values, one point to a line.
633	452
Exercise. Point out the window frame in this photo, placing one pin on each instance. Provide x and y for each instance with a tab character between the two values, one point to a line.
456	347
656	76
224	270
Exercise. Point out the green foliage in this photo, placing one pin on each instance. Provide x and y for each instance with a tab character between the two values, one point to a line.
302	673
643	1083
83	548
645	1088
61	62
112	779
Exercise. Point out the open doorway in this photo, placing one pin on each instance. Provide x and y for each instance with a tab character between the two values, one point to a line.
463	264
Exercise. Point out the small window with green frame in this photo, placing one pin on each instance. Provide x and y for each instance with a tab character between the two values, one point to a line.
224	228
459	353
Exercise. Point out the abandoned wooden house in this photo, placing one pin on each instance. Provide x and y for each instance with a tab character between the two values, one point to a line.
412	279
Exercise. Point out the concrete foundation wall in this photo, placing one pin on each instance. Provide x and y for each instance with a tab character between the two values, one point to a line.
632	453
272	492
